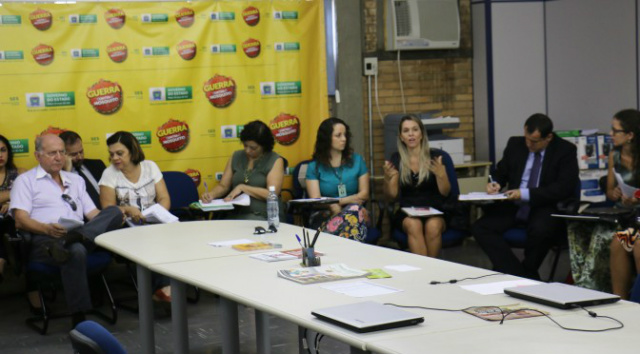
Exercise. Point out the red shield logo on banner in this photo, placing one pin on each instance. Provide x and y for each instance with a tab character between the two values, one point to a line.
195	176
173	135
186	49
105	96
251	47
285	128
52	130
41	19
115	18
117	52
43	54
185	17
220	91
251	16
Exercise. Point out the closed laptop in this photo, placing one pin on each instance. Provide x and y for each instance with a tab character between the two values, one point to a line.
367	316
561	295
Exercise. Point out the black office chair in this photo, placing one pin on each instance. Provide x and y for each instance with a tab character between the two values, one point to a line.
45	279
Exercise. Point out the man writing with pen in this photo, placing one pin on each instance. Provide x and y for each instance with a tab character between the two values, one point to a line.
536	172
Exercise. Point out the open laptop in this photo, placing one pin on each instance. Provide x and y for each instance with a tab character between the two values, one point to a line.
561	295
367	316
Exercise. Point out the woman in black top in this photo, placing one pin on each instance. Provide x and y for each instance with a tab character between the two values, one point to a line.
416	177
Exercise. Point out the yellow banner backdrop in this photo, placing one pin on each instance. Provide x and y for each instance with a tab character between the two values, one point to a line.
184	77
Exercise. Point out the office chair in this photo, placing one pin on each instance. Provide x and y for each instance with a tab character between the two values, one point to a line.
45	279
452	236
182	191
90	337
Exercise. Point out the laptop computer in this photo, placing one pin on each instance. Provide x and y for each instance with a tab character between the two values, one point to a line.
561	295
367	316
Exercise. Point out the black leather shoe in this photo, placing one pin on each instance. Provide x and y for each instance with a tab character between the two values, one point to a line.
56	250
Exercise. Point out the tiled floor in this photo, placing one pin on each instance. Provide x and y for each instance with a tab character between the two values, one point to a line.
204	328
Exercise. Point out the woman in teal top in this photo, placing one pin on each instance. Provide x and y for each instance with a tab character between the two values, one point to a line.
336	171
251	171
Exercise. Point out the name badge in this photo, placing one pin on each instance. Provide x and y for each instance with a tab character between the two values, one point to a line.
342	190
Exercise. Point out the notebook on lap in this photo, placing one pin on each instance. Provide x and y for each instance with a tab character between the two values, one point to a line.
561	295
367	316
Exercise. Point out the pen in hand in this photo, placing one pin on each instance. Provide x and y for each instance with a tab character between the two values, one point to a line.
299	241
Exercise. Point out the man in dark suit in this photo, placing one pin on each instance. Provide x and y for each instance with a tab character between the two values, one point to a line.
539	170
89	170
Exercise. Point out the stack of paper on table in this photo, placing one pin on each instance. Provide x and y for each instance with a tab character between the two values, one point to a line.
273	256
479	196
221	204
330	272
417	212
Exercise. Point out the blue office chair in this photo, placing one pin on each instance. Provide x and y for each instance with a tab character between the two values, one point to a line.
45	279
452	236
635	290
91	338
182	192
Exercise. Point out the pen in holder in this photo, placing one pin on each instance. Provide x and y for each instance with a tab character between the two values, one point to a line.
309	258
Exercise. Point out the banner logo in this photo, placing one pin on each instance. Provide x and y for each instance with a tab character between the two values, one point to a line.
272	88
143	137
10	20
19	146
41	19
285	128
11	55
81	53
43	54
78	19
173	135
222	16
231	131
161	94
186	49
105	96
251	16
155	51
154	18
185	17
195	176
220	91
51	130
50	99
223	48
251	47
117	52
285	15
286	46
115	18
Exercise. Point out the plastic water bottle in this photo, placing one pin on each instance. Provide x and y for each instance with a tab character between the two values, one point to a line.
273	212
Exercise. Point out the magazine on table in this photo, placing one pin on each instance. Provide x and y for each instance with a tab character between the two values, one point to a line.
330	272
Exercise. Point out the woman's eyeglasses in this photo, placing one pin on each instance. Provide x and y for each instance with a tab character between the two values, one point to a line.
67	198
616	131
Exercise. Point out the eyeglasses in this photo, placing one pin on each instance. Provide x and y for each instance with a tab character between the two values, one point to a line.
261	230
616	131
67	198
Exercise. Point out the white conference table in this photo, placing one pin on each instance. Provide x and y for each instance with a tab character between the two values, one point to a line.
188	241
180	251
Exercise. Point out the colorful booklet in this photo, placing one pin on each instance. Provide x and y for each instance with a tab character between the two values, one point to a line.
330	272
421	212
496	313
273	256
253	246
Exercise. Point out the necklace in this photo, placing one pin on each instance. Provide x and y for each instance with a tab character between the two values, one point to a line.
249	171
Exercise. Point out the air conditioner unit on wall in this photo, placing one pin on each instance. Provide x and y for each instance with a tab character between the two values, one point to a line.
422	24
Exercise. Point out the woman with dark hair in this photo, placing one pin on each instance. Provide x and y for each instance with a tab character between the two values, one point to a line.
597	261
251	171
417	177
625	159
8	174
337	172
134	184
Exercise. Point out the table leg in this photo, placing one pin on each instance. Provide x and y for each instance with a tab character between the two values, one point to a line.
355	350
263	339
229	325
301	339
145	310
179	317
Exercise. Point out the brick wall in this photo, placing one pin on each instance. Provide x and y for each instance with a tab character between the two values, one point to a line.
438	80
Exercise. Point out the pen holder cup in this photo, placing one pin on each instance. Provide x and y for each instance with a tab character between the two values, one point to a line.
309	258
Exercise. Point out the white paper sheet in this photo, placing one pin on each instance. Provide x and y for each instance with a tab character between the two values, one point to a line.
69	224
230	243
402	267
360	289
627	190
498	287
